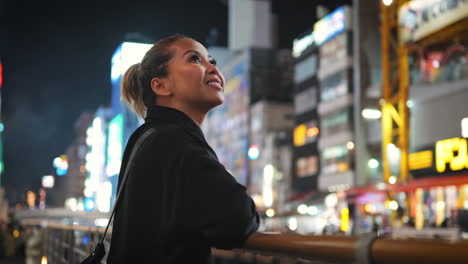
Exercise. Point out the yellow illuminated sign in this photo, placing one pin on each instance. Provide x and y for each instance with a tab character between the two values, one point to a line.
420	160
452	151
344	219
300	135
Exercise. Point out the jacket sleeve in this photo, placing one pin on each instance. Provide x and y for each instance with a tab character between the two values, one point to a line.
222	211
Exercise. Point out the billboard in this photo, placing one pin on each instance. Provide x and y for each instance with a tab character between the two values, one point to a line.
114	145
332	24
226	127
420	18
126	54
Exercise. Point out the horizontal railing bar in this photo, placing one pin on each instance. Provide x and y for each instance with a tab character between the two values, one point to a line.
383	250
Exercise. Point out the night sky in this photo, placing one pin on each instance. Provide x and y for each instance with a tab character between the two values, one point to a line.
56	61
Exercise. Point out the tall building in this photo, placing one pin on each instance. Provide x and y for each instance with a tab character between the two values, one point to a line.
76	154
251	131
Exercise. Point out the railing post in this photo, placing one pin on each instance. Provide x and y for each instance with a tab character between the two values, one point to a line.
363	248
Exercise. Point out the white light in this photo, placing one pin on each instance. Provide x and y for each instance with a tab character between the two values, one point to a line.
292	223
350	145
302	209
44	260
101	222
48	181
387	2
312	210
371	113
267	187
270	212
88	192
440	204
392	180
103	197
380	186
373	163
331	200
464	127
393	205
436	64
253	152
410	103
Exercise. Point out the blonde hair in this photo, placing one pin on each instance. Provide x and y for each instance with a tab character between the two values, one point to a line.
136	90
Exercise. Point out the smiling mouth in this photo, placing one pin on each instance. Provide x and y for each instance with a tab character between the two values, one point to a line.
215	85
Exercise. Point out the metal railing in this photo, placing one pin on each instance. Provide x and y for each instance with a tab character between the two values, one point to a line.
68	244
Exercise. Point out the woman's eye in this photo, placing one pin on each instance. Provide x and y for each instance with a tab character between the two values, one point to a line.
213	61
195	58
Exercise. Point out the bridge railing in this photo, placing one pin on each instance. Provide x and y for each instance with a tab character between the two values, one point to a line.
69	244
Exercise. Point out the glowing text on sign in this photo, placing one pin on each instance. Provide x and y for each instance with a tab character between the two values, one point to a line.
452	151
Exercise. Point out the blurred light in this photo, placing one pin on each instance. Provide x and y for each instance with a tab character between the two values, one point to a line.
392	180
371	113
393	205
292	223
88	192
88	204
258	200
48	181
350	145
299	45
440	204
332	188
253	153
302	209
382	101
2	127
270	212
44	260
312	210
344	215
15	233
436	64
331	200
85	240
114	145
380	186
267	186
410	103
464	127
369	208
71	203
102	222
387	2
373	163
103	198
312	131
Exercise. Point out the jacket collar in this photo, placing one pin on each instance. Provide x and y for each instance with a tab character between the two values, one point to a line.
174	116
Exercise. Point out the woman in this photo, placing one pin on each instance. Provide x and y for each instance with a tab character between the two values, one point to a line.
178	201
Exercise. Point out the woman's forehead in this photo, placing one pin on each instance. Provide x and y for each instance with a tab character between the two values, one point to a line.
184	45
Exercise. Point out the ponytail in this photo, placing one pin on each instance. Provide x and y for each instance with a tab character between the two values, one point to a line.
132	90
136	89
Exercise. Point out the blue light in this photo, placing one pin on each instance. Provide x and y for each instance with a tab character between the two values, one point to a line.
89	204
61	172
85	240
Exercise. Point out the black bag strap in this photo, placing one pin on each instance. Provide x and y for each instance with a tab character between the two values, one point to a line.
129	164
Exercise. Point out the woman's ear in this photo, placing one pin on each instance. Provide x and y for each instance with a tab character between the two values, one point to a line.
159	87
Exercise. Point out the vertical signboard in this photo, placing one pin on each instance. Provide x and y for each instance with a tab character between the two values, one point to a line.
226	127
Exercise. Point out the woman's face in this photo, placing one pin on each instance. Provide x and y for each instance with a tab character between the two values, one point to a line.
194	79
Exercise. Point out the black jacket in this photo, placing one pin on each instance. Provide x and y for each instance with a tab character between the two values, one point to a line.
178	201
